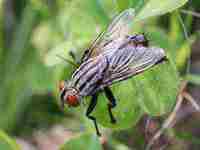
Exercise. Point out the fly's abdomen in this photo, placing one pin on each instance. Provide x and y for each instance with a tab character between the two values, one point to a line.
87	78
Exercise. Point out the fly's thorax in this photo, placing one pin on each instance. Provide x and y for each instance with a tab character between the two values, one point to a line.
87	78
70	95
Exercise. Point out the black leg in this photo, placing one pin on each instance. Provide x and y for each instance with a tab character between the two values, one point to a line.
89	111
73	55
111	104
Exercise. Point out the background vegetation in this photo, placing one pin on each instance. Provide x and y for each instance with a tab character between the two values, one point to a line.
33	34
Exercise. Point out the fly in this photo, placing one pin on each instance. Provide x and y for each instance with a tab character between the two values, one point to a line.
114	56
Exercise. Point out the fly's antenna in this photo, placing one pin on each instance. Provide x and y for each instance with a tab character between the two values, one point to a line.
68	61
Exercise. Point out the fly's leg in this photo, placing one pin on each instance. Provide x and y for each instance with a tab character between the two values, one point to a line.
111	104
73	55
91	107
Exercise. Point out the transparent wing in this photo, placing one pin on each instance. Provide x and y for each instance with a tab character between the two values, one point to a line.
115	34
130	61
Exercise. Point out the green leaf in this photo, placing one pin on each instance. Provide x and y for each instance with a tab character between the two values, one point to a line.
6	143
14	90
23	32
127	112
157	88
158	7
85	141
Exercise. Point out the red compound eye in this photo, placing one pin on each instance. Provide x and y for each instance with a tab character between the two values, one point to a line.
61	85
72	100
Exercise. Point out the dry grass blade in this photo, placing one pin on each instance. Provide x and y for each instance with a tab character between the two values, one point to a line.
167	123
188	97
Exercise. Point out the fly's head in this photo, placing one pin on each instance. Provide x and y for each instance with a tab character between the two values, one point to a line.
69	95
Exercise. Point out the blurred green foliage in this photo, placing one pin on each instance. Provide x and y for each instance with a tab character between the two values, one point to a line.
35	32
6	143
85	141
